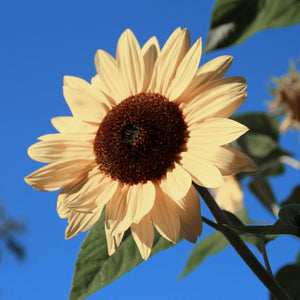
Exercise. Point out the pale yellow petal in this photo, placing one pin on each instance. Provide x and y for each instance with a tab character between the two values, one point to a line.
220	107
143	234
169	59
80	222
150	53
52	151
116	210
109	76
190	215
140	200
72	125
73	136
85	102
164	216
176	183
130	62
59	174
229	196
113	241
185	71
204	172
218	131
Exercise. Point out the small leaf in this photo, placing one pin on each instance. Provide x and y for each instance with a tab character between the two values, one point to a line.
261	188
95	269
233	21
290	214
208	246
260	123
294	197
289	277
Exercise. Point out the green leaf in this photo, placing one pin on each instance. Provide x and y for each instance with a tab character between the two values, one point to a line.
212	244
289	277
294	197
261	188
290	214
260	123
233	21
208	246
258	145
95	269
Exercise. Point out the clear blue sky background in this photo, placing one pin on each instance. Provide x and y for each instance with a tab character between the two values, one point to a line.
41	41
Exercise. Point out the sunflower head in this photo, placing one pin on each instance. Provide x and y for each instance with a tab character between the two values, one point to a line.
149	123
287	99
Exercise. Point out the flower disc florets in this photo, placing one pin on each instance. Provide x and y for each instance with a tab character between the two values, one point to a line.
140	139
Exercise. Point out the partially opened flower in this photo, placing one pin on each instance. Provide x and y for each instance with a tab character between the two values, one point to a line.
229	195
148	125
287	99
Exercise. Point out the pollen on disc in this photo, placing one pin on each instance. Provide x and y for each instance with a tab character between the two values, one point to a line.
140	139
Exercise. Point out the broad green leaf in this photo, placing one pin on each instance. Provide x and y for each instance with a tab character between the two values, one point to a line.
263	191
294	197
289	278
95	269
260	123
210	245
258	145
290	214
233	21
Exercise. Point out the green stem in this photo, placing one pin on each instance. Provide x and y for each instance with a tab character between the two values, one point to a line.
265	256
241	247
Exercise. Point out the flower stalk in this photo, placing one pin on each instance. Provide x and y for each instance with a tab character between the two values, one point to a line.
241	247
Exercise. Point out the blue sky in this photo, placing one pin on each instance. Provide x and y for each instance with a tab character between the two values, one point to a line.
41	41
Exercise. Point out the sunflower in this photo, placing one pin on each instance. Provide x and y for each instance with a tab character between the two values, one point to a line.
148	125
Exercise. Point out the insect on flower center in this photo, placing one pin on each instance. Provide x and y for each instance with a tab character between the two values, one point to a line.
140	139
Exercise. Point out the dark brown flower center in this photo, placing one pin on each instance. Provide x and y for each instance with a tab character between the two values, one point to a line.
140	139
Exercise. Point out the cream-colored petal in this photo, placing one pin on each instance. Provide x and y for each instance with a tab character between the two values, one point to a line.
80	222
221	107
90	193
164	216
85	102
143	234
204	172
72	125
229	196
176	183
113	241
85	137
52	151
116	210
169	59
218	131
228	160
190	216
286	123
140	200
211	90
130	62
150	53
59	174
185	72
110	80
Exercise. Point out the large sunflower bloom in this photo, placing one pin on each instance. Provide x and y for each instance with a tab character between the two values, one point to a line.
148	125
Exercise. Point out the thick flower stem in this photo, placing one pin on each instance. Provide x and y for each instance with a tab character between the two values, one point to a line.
241	247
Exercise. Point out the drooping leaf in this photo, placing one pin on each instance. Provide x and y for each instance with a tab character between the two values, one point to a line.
260	123
212	244
263	191
233	21
95	269
290	214
289	277
294	197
